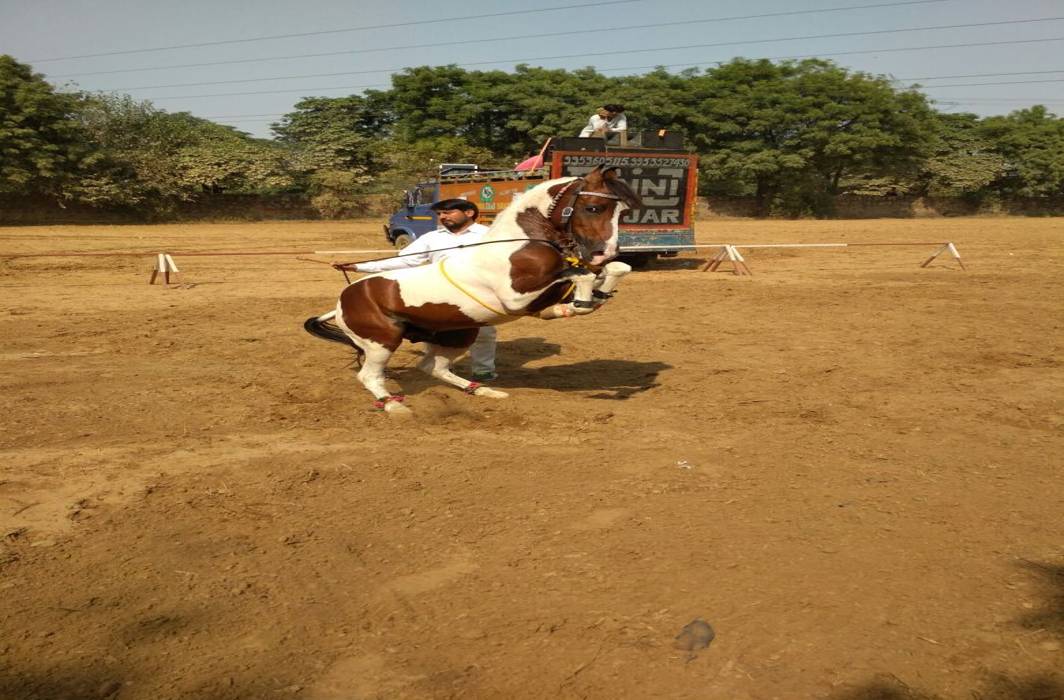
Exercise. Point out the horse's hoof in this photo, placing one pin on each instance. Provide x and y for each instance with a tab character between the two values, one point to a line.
392	404
490	393
396	409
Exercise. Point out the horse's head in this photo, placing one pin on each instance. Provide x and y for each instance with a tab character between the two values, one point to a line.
584	212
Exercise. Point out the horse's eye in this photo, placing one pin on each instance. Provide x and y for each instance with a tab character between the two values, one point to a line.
592	209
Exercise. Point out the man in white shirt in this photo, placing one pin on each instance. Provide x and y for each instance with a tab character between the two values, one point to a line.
458	226
608	120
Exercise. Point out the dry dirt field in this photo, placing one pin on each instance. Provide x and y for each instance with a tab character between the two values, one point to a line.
848	465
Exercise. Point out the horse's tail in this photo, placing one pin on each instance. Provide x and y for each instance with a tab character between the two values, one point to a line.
320	327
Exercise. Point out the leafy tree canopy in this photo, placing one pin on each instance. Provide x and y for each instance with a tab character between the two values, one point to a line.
794	134
1032	143
40	142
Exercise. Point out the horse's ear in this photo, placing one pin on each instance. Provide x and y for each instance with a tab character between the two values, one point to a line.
613	181
595	177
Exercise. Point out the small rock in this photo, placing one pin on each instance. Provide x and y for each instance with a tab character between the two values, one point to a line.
108	689
696	634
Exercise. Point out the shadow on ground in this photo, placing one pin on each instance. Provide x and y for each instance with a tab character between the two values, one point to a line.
1048	685
68	684
998	686
684	263
612	379
1050	617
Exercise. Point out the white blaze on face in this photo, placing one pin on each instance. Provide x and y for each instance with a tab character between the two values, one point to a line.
610	252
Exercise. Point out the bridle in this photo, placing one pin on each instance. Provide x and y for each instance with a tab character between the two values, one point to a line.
564	220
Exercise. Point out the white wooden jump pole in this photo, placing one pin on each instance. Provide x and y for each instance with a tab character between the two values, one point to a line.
730	252
165	265
727	252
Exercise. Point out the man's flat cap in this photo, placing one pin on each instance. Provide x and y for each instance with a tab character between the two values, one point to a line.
460	204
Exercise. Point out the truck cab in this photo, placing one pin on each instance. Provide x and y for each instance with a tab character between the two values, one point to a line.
414	218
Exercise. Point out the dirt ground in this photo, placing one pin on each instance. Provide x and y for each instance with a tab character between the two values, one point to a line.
848	465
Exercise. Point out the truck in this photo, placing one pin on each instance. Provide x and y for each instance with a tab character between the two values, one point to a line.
653	163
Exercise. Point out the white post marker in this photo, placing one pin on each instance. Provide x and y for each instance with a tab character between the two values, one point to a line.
164	264
952	251
732	255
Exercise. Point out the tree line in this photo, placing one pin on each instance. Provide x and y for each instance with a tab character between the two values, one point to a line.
793	135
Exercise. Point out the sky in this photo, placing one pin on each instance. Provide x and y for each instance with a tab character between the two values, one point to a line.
248	63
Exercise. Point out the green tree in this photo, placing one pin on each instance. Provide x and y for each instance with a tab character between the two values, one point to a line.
40	141
794	132
963	162
661	100
340	134
412	162
509	114
431	102
534	104
230	162
147	157
1032	143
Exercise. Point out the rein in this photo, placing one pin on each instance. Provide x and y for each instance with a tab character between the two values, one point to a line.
345	265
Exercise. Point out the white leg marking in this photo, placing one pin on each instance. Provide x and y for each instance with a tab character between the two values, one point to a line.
584	283
437	362
374	360
609	278
557	311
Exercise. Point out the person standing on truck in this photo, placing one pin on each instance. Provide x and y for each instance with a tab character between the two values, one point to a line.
608	120
458	226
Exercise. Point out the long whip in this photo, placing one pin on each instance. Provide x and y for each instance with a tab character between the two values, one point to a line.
345	266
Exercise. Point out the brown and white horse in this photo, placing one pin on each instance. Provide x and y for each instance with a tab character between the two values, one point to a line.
541	251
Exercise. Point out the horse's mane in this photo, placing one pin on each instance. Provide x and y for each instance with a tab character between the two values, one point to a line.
539	198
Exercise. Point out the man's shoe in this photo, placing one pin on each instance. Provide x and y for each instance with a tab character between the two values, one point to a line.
484	377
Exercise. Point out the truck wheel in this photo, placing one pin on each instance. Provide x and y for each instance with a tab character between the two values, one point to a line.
403	240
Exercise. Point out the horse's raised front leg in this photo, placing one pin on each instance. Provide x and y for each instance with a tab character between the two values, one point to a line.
590	291
583	292
437	363
583	287
606	282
